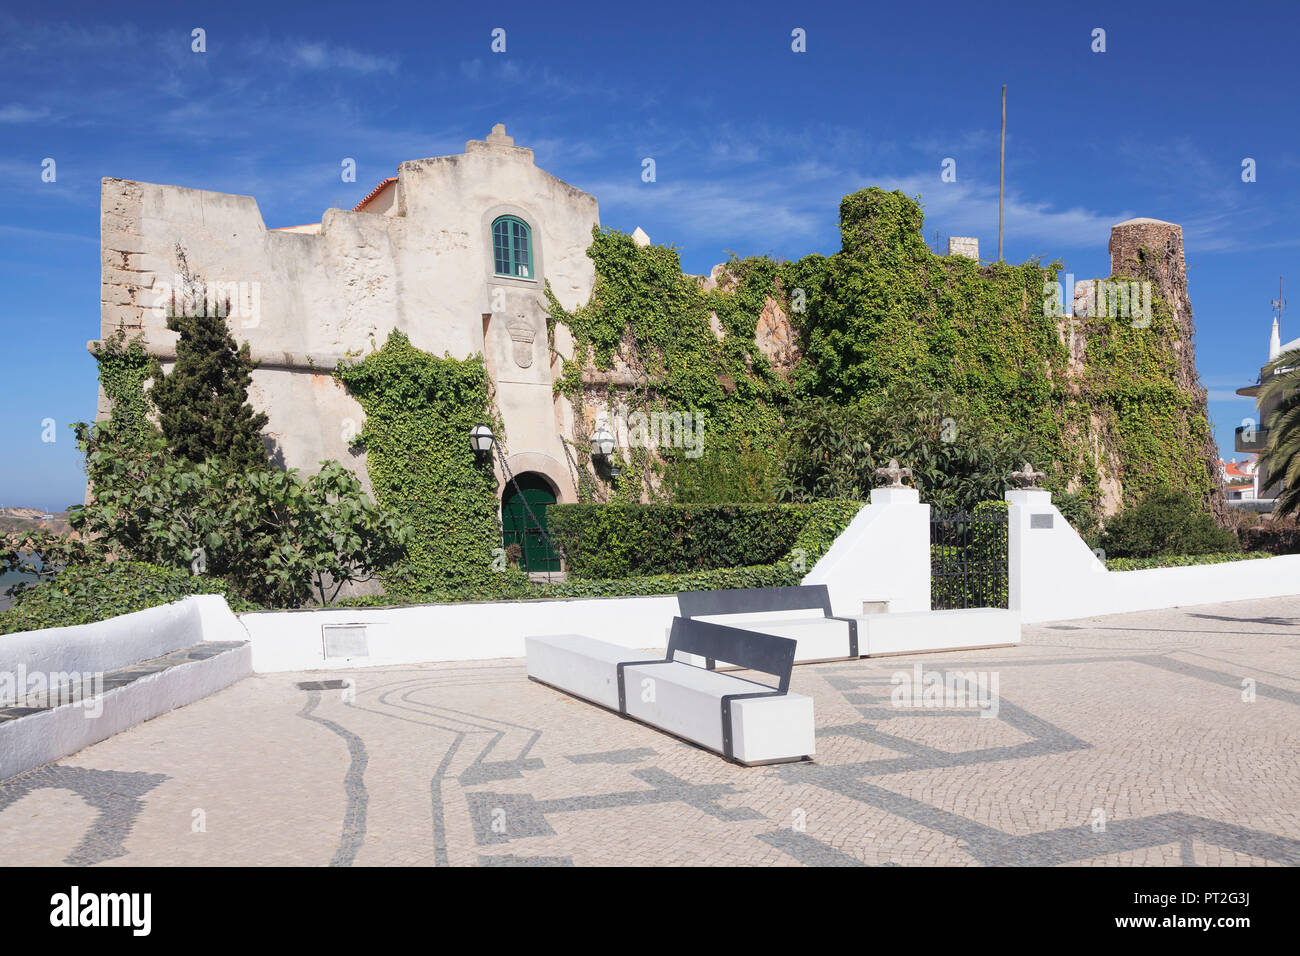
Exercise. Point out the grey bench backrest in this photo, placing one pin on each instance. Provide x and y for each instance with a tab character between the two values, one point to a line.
693	604
755	600
765	653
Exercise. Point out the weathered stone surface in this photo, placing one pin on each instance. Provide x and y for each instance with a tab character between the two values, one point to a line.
425	267
968	246
775	337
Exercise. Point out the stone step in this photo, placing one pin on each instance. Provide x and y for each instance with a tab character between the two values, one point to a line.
51	723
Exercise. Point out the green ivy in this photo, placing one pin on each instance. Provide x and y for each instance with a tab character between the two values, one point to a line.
124	365
644	308
419	412
623	540
1180	560
882	313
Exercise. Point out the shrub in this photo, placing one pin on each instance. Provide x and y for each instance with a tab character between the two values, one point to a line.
42	554
956	460
616	541
84	594
1165	521
761	576
723	475
1279	536
202	403
1178	560
278	538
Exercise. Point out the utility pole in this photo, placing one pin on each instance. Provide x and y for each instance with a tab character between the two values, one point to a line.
1002	170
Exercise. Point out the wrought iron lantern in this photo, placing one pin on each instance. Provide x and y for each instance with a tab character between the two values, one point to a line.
602	443
481	439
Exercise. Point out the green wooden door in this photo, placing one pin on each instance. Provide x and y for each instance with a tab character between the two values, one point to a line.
518	527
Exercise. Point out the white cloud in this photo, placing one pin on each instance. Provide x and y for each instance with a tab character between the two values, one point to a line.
324	56
15	113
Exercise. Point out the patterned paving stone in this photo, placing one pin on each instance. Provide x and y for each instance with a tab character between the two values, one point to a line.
1160	738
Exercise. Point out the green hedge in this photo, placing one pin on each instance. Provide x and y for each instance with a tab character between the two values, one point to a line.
85	594
631	540
1179	560
758	576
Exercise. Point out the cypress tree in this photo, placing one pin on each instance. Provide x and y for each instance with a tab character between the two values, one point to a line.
202	404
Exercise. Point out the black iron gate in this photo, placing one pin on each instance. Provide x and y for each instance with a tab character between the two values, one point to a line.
968	558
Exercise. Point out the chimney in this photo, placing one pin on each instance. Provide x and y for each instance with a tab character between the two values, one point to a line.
968	246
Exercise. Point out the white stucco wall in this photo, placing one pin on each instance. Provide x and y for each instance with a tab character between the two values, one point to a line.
1054	576
120	641
292	640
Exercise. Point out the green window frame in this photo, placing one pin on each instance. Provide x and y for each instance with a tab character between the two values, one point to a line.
512	248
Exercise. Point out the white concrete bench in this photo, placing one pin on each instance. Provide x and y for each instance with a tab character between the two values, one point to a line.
745	721
911	632
802	614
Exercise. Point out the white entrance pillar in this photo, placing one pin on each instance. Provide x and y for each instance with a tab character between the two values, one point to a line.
881	561
1051	572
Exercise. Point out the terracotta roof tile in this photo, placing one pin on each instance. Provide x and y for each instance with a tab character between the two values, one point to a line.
373	193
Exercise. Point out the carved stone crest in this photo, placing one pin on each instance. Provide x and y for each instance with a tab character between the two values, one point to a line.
522	334
893	474
1027	478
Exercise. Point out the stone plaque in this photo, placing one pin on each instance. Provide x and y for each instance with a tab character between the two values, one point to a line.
1041	520
345	640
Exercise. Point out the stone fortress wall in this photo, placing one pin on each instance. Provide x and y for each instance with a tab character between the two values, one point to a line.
418	260
416	255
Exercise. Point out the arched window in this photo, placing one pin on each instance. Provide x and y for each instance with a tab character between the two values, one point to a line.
512	247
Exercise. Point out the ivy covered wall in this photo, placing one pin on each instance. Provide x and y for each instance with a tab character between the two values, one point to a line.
1120	406
419	412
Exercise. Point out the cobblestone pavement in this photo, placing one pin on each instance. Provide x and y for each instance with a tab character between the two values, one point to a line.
1130	740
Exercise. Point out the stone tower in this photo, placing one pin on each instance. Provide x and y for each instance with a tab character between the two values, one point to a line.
1152	249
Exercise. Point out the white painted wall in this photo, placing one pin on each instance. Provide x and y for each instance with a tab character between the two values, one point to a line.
1054	576
883	555
120	641
51	734
292	640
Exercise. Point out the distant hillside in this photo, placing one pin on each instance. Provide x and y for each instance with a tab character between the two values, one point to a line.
34	519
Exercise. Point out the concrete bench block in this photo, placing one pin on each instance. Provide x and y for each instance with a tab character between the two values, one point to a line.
580	665
918	631
687	701
681	699
56	731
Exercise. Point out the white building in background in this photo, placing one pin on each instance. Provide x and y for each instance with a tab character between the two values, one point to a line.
1240	479
1252	434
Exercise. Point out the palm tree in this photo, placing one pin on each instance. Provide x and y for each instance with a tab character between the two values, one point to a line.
1280	388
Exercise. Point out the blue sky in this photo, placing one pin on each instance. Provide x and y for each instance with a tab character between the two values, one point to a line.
754	144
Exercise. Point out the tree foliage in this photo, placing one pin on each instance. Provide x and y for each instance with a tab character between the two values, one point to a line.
279	539
1281	455
202	403
1165	521
957	461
